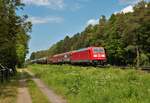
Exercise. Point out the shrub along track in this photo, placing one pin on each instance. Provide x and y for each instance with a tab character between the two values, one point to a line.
142	68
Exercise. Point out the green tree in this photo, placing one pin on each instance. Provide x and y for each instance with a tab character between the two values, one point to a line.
12	27
125	36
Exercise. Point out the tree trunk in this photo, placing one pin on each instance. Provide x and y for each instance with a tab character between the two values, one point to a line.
137	57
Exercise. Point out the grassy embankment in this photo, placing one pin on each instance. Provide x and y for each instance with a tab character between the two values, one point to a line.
36	95
96	85
8	91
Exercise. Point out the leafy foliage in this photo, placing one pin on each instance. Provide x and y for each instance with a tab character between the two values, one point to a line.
13	34
126	37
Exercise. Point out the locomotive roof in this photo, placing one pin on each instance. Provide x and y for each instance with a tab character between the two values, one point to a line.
83	49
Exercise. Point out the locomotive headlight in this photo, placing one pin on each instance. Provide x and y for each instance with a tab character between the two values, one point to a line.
94	55
103	55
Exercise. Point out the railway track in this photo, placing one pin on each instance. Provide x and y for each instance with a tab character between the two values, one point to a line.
147	69
144	68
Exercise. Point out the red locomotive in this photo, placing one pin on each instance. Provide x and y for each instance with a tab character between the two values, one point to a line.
90	55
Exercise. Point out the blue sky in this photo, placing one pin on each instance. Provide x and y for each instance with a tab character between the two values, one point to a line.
54	19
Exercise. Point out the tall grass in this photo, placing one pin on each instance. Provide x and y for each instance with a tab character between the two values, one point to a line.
8	91
95	85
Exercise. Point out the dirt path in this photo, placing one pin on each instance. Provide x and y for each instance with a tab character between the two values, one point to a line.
52	97
23	94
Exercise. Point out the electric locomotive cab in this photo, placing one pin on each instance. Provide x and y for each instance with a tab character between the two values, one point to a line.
98	55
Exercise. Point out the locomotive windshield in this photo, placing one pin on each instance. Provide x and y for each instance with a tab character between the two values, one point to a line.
98	50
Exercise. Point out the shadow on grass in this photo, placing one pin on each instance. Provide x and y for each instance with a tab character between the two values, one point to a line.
8	91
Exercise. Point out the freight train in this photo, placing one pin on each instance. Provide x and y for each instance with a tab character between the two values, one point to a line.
88	56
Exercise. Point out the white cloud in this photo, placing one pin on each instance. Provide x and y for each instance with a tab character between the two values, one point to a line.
45	20
126	10
128	1
131	2
75	7
36	2
129	8
53	4
92	22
